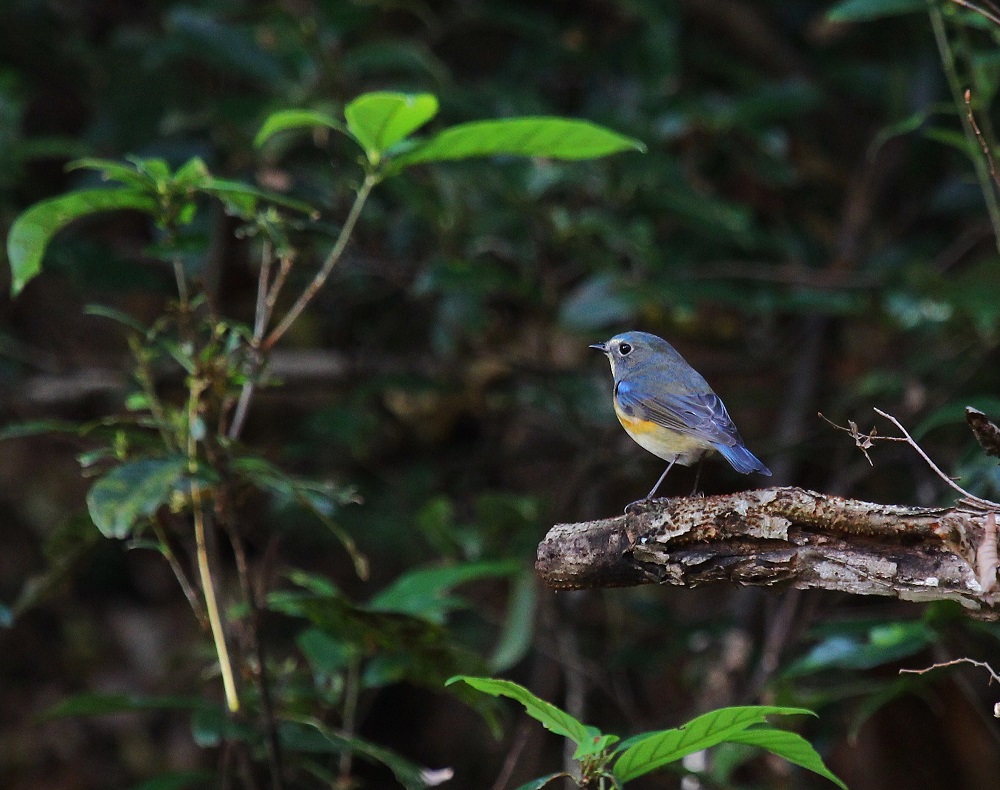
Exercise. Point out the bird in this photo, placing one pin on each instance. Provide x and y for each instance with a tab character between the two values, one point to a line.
667	408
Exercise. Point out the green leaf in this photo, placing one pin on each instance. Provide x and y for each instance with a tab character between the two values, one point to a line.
295	120
93	704
176	780
112	170
647	752
210	726
19	430
193	173
132	491
544	136
308	735
319	498
863	10
380	120
33	230
789	745
241	199
102	311
423	592
326	654
540	782
553	718
879	643
518	629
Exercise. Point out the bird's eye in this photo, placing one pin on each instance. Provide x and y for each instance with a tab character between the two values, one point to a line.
625	349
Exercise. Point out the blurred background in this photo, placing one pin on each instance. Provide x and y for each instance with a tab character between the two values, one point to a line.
808	227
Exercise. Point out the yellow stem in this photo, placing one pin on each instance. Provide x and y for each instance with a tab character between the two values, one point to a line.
204	568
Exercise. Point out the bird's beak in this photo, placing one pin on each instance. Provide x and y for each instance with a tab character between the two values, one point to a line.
600	347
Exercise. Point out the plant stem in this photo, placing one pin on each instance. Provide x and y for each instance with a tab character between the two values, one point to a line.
311	290
179	276
958	96
263	686
352	685
204	567
182	579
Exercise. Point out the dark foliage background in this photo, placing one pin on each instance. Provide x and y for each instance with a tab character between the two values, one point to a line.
806	228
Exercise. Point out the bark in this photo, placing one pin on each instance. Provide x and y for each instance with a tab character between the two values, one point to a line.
785	537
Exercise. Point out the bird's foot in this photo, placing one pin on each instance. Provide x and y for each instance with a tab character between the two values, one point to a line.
639	506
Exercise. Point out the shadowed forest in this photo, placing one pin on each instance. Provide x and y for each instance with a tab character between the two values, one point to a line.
254	521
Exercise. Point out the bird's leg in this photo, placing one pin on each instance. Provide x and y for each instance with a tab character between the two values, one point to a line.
697	475
669	467
632	506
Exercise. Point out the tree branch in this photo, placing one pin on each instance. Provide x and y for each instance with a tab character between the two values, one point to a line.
785	537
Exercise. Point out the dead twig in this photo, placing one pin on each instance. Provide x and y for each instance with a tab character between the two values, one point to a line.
994	677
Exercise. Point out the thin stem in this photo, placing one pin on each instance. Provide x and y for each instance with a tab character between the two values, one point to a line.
982	140
204	568
994	677
261	317
145	378
284	267
957	94
934	467
331	260
273	745
182	579
352	686
263	280
994	18
181	278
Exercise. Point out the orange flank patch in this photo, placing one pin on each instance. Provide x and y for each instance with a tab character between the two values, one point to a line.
663	442
636	425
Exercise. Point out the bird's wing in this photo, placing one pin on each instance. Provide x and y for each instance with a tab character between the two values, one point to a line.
702	414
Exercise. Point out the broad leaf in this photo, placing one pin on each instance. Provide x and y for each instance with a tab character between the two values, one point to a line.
112	170
543	136
554	719
519	625
863	10
103	704
647	752
241	199
307	735
880	643
295	120
424	592
132	491
33	230
789	745
380	120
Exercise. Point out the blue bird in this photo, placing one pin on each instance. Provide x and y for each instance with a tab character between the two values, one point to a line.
668	408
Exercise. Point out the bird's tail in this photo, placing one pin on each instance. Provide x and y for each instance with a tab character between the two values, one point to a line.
742	460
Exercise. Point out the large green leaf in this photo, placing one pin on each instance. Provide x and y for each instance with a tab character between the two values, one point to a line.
131	491
424	592
553	718
647	752
543	136
789	745
33	230
380	120
862	10
294	120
